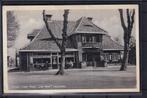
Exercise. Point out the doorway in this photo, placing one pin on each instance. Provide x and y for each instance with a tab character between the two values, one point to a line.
93	59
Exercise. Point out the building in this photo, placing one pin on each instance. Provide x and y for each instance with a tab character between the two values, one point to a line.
86	44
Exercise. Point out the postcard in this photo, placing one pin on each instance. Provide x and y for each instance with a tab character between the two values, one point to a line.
51	49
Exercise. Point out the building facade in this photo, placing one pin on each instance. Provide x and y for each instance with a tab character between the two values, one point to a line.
87	45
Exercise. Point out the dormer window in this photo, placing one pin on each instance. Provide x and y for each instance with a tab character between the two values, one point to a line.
87	25
87	38
33	34
91	38
89	18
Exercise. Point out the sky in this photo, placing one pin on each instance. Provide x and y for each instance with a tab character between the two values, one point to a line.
108	20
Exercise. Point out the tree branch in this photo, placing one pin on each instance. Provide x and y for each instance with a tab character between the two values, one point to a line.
128	18
122	19
131	23
49	30
132	19
66	12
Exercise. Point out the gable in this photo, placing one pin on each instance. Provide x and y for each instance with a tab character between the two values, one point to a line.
84	25
87	26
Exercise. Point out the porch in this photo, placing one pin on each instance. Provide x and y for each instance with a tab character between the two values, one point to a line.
43	60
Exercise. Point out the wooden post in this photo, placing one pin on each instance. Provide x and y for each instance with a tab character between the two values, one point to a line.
28	69
57	59
51	61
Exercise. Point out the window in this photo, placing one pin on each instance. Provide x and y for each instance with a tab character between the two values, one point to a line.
67	59
89	39
115	56
98	38
54	53
41	60
83	39
78	37
87	25
84	56
106	57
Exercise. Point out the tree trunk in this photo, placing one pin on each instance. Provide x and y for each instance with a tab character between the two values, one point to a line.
62	65
63	47
125	58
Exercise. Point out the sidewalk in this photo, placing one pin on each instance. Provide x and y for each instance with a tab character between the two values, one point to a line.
108	68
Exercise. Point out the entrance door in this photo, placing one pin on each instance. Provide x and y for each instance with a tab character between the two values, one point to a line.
93	59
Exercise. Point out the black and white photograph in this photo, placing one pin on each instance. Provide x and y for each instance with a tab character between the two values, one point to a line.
71	49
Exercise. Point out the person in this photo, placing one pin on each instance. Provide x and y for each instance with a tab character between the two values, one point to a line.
35	64
83	64
46	65
71	63
102	60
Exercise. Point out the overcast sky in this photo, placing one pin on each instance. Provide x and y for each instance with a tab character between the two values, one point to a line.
109	20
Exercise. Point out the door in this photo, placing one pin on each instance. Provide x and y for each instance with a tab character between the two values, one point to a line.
93	59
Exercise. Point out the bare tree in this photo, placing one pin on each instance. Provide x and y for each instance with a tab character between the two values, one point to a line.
61	46
12	28
127	34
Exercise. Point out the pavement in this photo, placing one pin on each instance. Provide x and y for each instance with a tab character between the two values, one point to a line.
89	68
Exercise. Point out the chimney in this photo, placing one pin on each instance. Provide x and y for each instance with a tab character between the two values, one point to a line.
89	18
49	17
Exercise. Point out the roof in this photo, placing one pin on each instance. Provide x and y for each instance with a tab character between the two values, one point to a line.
45	44
42	39
83	25
56	27
109	44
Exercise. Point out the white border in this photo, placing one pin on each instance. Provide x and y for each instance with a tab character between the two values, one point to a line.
76	7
